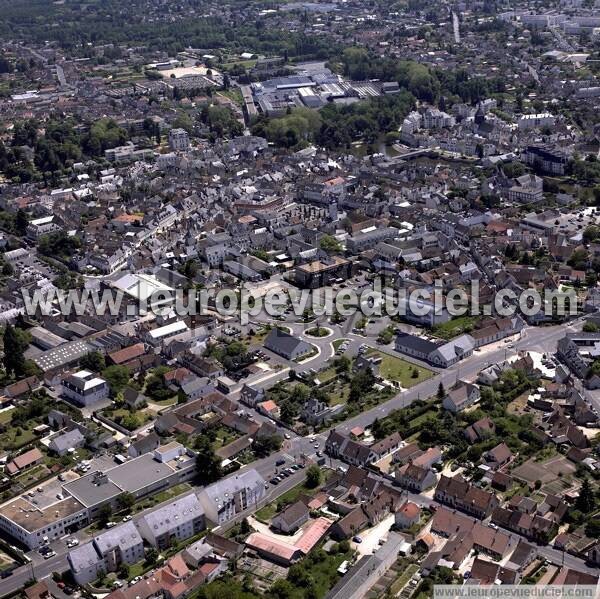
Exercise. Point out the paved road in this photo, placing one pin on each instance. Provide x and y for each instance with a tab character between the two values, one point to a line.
40	568
541	339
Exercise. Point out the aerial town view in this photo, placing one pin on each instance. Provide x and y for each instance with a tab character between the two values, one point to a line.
299	299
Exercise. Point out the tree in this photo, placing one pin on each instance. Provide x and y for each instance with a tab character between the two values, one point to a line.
208	464
585	501
126	500
342	365
386	336
152	555
117	378
579	259
156	386
105	514
441	392
264	446
21	221
592	528
282	589
330	244
131	421
93	361
16	342
313	477
124	571
245	526
361	383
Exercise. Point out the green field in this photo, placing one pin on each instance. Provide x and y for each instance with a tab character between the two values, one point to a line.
266	513
6	415
404	577
336	344
455	327
165	495
399	370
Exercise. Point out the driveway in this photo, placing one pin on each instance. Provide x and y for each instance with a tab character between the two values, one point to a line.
372	536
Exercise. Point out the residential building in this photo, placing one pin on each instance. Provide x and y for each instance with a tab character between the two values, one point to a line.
321	273
228	497
528	189
438	354
459	494
535	121
547	159
120	545
286	345
461	397
179	140
180	519
408	515
85	388
62	443
291	518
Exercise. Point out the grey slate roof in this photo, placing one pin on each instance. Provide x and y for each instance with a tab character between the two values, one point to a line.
66	440
83	557
283	343
232	484
416	343
123	536
173	514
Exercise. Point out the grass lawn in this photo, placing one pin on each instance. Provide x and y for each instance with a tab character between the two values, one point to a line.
31	476
405	575
326	375
317	332
233	94
119	414
311	354
336	344
162	496
258	337
228	587
6	415
165	403
337	388
266	513
399	370
247	64
455	327
422	418
11	440
322	572
224	436
138	569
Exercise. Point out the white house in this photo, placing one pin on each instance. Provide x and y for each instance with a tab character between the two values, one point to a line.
226	498
85	388
180	519
120	545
